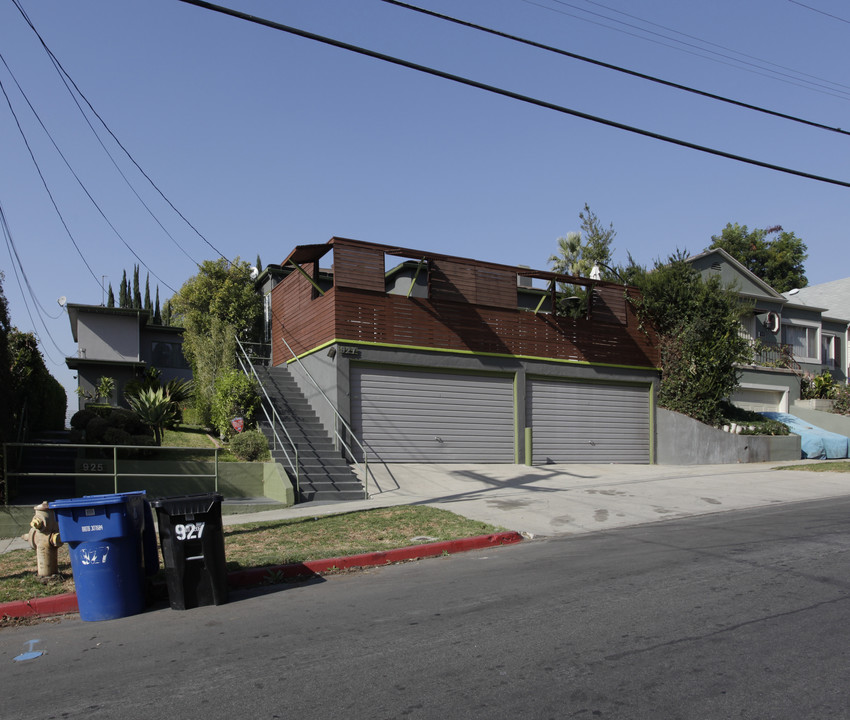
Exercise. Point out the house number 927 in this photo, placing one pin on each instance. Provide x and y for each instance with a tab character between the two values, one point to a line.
189	531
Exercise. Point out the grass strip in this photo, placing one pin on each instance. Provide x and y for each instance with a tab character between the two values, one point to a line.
277	542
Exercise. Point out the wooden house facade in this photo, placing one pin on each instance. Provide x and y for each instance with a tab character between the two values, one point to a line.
434	358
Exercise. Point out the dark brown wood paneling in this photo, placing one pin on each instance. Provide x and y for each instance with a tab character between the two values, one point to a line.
472	307
358	267
305	321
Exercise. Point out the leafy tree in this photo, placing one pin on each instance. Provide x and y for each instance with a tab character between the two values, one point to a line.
697	322
236	395
214	307
7	423
778	261
35	391
578	252
597	241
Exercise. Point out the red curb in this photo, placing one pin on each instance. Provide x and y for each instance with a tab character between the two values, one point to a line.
53	605
275	573
64	604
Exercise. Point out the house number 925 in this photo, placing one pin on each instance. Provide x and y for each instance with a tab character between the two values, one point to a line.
189	531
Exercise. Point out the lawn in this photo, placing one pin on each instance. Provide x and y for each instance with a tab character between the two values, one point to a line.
276	543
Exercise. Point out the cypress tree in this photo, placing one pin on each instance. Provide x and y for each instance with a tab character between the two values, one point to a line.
123	298
110	302
148	305
137	293
157	316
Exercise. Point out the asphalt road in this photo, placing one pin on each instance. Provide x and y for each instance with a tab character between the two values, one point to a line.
744	614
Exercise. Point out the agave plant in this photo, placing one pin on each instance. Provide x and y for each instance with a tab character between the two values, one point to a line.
155	408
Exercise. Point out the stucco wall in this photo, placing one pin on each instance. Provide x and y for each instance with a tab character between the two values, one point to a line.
684	441
828	421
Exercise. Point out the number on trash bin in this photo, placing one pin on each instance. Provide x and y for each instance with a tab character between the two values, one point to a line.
189	531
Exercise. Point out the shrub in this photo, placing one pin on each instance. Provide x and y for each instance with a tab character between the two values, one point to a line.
841	400
249	446
116	436
96	429
81	418
236	395
818	387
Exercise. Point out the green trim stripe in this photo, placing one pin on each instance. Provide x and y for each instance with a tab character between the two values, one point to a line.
471	353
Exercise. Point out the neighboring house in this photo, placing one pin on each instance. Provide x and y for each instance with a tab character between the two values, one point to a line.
789	338
434	358
834	298
121	343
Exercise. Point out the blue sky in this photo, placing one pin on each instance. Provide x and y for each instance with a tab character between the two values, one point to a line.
264	140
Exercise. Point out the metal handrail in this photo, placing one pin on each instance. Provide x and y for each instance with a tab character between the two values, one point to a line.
339	419
114	474
274	416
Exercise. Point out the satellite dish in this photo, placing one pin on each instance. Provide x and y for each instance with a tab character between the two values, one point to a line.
62	301
254	273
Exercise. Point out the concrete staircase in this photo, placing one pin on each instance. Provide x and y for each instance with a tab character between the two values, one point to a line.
324	474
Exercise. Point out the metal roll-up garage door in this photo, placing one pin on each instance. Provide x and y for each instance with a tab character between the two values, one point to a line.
575	422
412	416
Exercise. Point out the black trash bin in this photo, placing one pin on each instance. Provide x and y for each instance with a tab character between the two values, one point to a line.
192	539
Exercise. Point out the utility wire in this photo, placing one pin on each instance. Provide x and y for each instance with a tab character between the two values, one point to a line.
64	74
687	44
717	45
753	68
508	93
609	66
16	265
79	181
46	188
814	9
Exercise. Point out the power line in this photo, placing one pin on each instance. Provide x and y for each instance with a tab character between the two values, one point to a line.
753	68
64	74
508	93
77	178
46	188
16	265
609	66
714	44
697	47
814	9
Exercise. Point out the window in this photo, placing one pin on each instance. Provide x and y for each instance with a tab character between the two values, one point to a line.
830	349
803	340
168	355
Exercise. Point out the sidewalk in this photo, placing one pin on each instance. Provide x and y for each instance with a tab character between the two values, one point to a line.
574	499
543	501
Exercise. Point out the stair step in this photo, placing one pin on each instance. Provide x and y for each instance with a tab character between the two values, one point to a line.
322	473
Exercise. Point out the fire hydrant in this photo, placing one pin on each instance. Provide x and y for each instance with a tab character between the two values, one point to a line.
44	538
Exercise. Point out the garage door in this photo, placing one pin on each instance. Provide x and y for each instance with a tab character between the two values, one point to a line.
588	423
411	416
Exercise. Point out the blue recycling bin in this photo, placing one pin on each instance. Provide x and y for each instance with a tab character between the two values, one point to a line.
104	535
145	525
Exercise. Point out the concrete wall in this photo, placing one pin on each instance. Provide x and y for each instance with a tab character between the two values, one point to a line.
163	479
827	420
681	440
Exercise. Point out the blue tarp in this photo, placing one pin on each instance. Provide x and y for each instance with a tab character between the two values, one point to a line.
816	443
